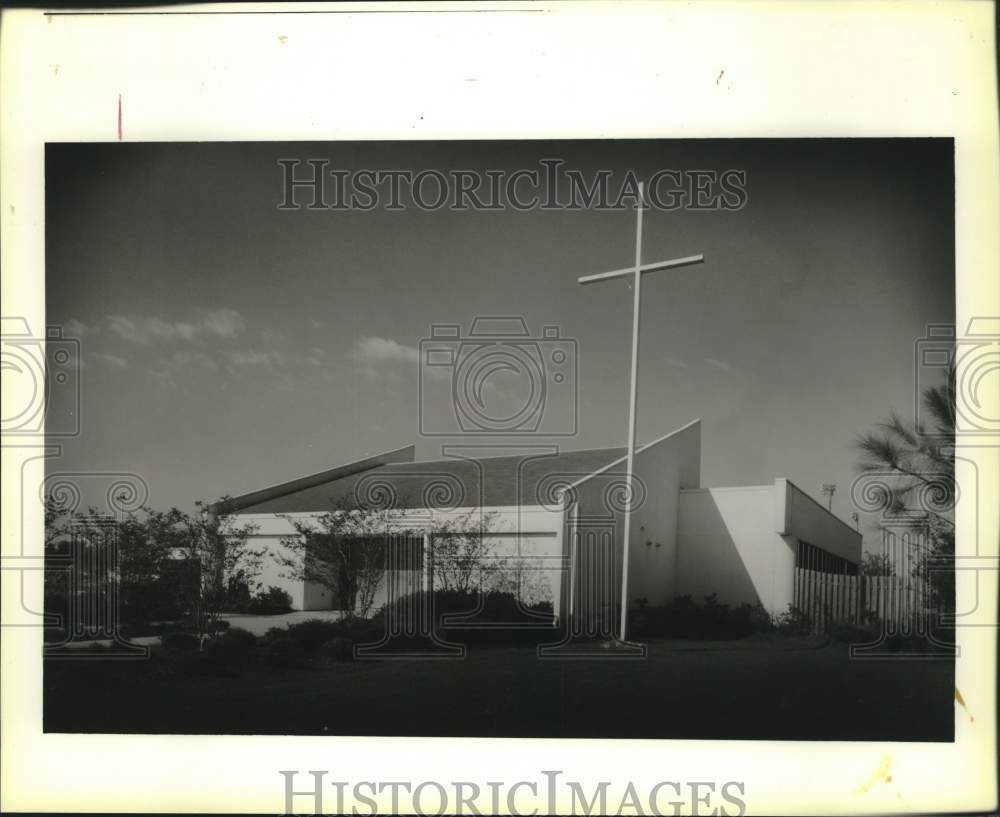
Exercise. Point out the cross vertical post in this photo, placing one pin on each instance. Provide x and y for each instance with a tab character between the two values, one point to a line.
635	272
633	393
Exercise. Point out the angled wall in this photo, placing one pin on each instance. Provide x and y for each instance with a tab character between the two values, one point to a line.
807	520
596	515
740	543
728	545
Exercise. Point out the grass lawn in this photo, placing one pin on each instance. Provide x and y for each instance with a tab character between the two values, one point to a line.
760	692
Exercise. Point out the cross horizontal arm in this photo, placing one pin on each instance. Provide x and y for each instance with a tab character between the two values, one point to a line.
654	267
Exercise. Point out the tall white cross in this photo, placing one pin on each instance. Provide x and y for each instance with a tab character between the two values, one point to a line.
636	272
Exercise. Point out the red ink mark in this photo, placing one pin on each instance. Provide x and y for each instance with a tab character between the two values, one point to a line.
119	117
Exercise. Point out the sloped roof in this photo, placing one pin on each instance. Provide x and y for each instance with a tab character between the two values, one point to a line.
528	479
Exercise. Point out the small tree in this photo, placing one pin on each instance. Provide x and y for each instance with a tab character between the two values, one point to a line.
343	550
151	549
465	558
224	552
877	564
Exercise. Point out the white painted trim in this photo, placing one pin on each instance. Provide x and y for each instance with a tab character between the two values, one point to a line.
728	488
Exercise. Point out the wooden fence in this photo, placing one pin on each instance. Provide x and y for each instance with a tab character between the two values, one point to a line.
826	598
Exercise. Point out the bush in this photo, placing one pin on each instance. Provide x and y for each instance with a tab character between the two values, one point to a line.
309	634
315	632
272	601
496	607
337	649
230	652
530	624
283	651
793	622
186	642
685	618
759	619
853	633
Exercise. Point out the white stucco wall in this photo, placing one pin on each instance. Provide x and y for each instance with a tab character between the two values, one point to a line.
662	468
665	468
740	543
529	534
728	545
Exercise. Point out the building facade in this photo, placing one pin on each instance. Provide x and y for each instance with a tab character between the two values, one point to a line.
554	521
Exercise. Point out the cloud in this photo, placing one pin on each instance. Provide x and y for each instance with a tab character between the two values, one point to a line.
251	357
220	323
721	365
186	359
182	363
675	363
374	350
316	356
272	336
226	323
114	361
75	329
382	359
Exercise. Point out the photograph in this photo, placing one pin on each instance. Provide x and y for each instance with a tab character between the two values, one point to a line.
594	439
513	407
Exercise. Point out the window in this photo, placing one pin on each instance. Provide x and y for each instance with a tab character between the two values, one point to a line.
810	557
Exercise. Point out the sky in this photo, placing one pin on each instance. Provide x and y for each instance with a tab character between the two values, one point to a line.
228	345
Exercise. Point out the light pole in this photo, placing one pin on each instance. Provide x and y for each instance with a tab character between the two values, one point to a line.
636	271
829	489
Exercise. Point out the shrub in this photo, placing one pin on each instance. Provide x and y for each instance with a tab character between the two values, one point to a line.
757	616
496	606
793	622
283	651
272	601
310	634
531	624
685	618
230	652
180	641
337	649
181	662
853	633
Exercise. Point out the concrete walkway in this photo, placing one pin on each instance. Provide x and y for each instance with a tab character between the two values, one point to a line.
258	625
